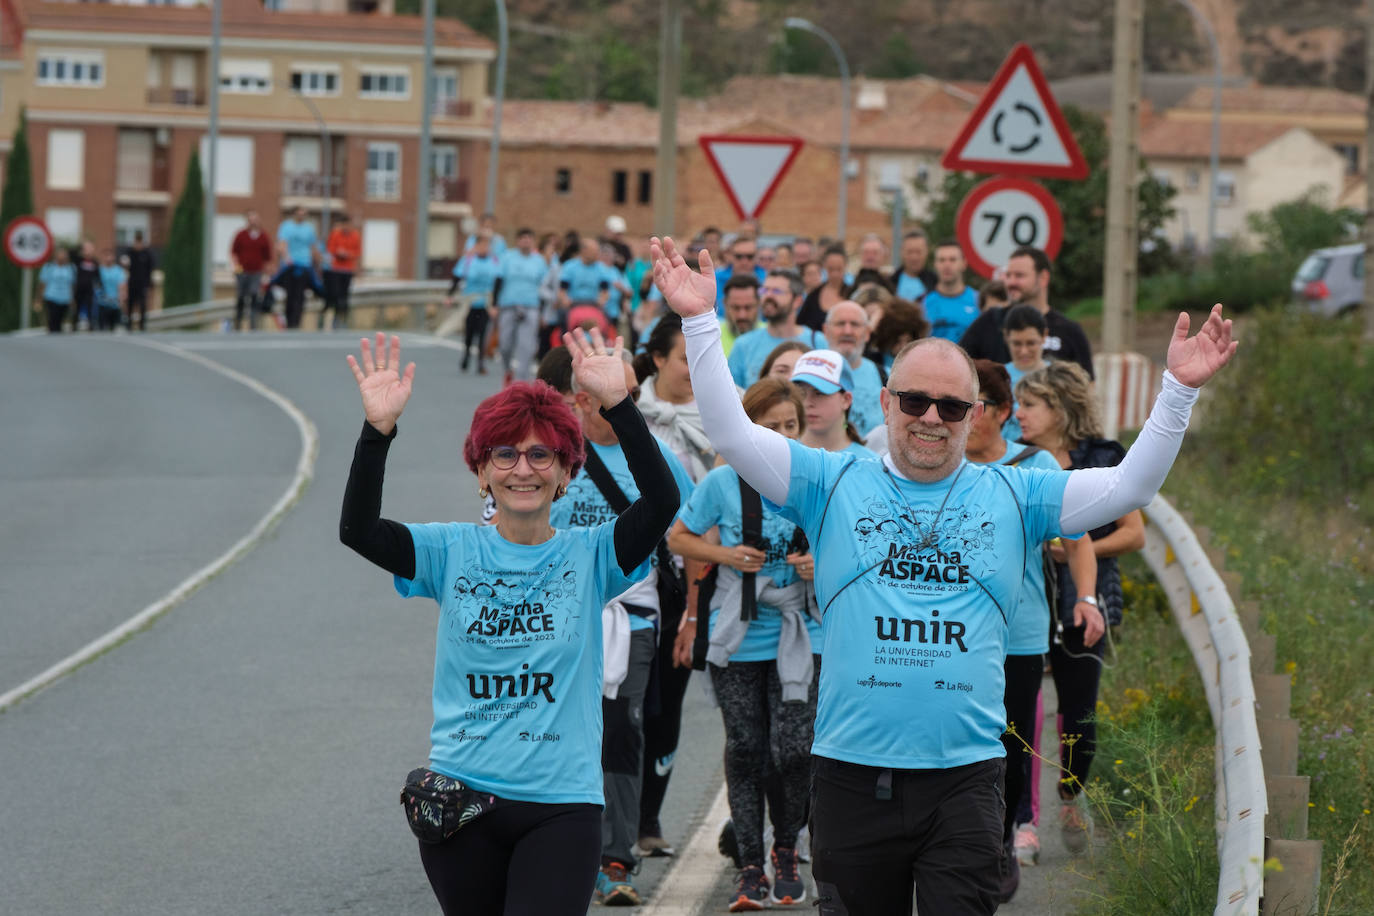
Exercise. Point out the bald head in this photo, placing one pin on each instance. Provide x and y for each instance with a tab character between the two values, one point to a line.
929	350
846	330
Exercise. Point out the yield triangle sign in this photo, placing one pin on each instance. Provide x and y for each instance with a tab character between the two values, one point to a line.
750	168
1017	128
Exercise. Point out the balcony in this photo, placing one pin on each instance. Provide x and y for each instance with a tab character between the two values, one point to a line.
309	184
448	190
382	186
451	108
190	98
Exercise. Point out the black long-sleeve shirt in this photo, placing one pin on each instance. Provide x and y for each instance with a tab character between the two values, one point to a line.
1064	339
389	544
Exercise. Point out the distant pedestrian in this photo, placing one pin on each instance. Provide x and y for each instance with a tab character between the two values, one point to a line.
1023	328
345	247
477	273
913	278
298	248
496	243
250	253
140	265
87	287
58	280
846	332
819	299
952	305
110	291
517	306
780	296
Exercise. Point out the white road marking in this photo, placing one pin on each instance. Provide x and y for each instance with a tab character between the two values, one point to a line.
695	870
305	470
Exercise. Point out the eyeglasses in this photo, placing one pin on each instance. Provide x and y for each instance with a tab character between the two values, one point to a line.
775	290
745	254
538	457
915	404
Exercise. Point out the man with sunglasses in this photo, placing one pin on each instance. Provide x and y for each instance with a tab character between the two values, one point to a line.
629	627
919	561
743	254
780	298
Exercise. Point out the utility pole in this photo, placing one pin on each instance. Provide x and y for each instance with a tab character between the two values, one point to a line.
207	244
1119	269
425	173
1368	184
669	67
494	154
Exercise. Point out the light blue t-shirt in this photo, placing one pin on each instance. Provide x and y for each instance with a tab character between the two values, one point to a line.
517	660
301	241
614	295
909	287
59	281
521	275
716	501
583	282
751	351
913	647
584	506
1030	624
950	316
867	410
1011	430
112	277
479	276
497	245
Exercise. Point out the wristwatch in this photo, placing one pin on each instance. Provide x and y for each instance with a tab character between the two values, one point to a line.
1087	599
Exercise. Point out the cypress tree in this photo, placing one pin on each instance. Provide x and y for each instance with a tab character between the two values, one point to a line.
181	259
15	200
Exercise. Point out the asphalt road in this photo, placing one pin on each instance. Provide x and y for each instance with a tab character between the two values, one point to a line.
243	753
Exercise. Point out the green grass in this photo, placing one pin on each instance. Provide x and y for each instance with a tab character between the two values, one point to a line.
1241	281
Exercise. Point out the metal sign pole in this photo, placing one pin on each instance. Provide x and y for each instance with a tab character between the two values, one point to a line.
25	298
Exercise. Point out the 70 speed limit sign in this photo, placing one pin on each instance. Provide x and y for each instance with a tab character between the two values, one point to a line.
1002	214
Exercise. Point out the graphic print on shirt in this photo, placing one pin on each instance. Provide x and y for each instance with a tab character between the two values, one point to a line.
503	609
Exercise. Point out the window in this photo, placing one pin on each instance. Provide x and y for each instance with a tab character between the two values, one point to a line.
1350	152
562	181
1192	178
322	80
444	161
66	160
620	180
64	223
233	164
134	160
252	77
385	84
445	83
383	172
301	155
443	239
1162	177
380	241
184	68
646	187
71	68
1226	188
227	225
128	222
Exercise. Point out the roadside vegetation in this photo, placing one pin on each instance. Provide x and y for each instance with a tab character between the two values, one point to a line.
1280	467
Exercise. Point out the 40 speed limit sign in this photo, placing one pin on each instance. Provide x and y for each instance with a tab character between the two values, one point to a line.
1002	214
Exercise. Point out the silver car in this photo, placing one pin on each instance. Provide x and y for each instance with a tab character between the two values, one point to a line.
1331	281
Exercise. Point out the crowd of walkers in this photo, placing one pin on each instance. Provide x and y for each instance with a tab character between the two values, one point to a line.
796	473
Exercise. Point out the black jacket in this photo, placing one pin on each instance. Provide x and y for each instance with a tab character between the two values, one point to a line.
1064	339
1095	453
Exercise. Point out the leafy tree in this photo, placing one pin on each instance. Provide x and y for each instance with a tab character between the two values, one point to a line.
896	60
182	259
15	200
1289	231
1078	267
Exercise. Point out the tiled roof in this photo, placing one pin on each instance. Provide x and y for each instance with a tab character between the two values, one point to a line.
526	122
241	19
1169	138
1278	99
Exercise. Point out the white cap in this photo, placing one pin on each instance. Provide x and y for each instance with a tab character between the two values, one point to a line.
824	370
615	224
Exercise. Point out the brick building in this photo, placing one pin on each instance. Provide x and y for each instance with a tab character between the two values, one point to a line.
116	98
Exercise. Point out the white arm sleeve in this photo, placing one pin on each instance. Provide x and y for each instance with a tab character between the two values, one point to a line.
1096	496
758	455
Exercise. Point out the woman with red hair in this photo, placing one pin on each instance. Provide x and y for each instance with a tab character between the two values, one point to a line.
514	785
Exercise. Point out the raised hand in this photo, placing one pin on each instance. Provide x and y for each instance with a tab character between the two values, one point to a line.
688	292
1194	360
384	388
598	369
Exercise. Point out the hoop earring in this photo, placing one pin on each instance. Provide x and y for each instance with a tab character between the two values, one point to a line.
560	493
482	492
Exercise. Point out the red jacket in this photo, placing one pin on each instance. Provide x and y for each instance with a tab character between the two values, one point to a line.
252	249
345	246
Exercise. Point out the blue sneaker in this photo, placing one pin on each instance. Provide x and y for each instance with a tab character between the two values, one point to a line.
751	890
788	886
614	888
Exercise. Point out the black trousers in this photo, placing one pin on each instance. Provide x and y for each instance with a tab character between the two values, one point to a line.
336	286
296	280
138	302
938	831
662	726
475	331
1023	673
518	859
1077	671
57	313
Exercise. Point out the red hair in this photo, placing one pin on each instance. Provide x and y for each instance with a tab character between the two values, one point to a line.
520	409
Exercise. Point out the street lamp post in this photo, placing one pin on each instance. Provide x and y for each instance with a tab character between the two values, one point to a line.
327	165
207	254
1216	122
423	178
793	22
494	157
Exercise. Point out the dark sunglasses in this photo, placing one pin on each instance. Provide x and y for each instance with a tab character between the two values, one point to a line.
538	457
915	404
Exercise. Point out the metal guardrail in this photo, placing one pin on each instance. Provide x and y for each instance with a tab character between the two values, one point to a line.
1212	628
419	296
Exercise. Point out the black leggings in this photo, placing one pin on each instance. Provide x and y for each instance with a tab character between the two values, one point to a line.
1023	673
763	733
518	859
1075	682
57	313
475	331
662	727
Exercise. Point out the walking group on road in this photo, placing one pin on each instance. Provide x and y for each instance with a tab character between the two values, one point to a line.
830	520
